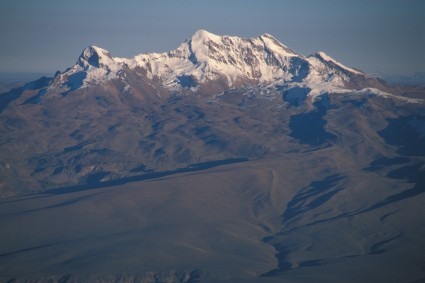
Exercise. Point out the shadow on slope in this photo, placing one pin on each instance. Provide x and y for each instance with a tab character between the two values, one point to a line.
309	127
13	94
94	180
307	200
406	132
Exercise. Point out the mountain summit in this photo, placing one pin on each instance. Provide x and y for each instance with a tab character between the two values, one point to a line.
209	63
94	56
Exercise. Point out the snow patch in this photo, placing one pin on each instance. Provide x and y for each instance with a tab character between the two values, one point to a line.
327	58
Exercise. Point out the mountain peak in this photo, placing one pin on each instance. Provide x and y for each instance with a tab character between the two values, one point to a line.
94	56
203	35
322	56
268	35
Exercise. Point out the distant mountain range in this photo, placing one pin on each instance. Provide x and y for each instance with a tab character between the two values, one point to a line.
293	168
414	79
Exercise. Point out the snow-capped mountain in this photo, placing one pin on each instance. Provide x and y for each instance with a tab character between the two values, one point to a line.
117	161
160	110
206	58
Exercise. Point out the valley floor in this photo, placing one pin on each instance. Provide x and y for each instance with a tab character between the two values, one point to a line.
274	220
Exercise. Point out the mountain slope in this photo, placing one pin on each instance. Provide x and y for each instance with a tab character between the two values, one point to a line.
225	160
108	116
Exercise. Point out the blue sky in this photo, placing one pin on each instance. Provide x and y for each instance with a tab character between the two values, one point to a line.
386	36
